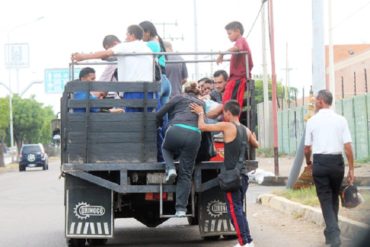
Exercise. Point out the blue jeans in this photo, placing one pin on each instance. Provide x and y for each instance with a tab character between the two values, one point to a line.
235	202
137	95
164	95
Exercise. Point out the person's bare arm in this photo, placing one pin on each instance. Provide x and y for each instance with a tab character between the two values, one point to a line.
351	169
76	57
220	57
221	126
252	139
307	154
215	112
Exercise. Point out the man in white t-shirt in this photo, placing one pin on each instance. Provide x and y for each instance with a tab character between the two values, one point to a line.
135	68
327	134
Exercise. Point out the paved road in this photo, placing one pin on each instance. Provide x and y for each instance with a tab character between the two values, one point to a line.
32	215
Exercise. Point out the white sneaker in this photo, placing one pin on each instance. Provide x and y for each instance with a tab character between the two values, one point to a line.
171	176
180	213
251	244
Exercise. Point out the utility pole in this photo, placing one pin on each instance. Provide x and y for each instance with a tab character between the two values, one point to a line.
266	111
274	91
287	73
196	67
318	49
331	55
166	36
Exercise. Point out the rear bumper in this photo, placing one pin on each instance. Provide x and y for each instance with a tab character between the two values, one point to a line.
33	164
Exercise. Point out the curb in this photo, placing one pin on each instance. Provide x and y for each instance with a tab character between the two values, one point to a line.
282	181
349	228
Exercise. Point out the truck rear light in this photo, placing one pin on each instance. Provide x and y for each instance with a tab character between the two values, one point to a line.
155	196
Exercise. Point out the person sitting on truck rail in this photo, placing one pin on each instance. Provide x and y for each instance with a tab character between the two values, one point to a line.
110	71
133	68
182	138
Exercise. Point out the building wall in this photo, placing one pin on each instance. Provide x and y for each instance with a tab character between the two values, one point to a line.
353	79
351	66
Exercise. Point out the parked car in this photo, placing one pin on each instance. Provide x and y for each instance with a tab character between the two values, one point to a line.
33	155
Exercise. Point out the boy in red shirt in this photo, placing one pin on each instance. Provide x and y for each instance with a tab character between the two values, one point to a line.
235	86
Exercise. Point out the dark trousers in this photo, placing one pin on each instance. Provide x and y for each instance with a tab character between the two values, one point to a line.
328	172
183	143
235	202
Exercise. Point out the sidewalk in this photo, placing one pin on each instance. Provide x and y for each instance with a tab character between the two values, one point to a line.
349	226
362	170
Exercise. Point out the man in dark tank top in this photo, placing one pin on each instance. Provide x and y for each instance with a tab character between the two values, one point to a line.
234	132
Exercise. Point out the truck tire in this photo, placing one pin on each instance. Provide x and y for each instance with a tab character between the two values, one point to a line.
76	242
21	169
211	238
193	221
97	241
230	237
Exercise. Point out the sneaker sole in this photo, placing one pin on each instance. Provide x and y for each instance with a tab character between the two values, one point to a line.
171	179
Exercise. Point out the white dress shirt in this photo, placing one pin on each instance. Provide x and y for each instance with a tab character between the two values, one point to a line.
327	132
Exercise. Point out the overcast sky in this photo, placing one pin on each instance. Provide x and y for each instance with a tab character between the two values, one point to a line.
55	29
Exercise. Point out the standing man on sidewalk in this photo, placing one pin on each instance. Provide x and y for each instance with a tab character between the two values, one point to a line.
326	135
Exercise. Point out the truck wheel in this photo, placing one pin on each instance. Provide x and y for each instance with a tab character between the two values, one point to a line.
230	237
21	169
76	242
211	238
97	241
193	221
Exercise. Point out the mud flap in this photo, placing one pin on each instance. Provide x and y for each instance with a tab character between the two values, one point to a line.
213	217
88	209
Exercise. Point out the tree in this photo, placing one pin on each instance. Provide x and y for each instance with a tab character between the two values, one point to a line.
4	123
258	92
4	117
31	121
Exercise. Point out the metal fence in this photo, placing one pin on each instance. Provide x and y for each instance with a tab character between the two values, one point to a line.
357	112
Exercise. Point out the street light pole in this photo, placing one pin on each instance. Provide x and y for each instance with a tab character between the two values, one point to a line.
28	87
16	66
11	132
